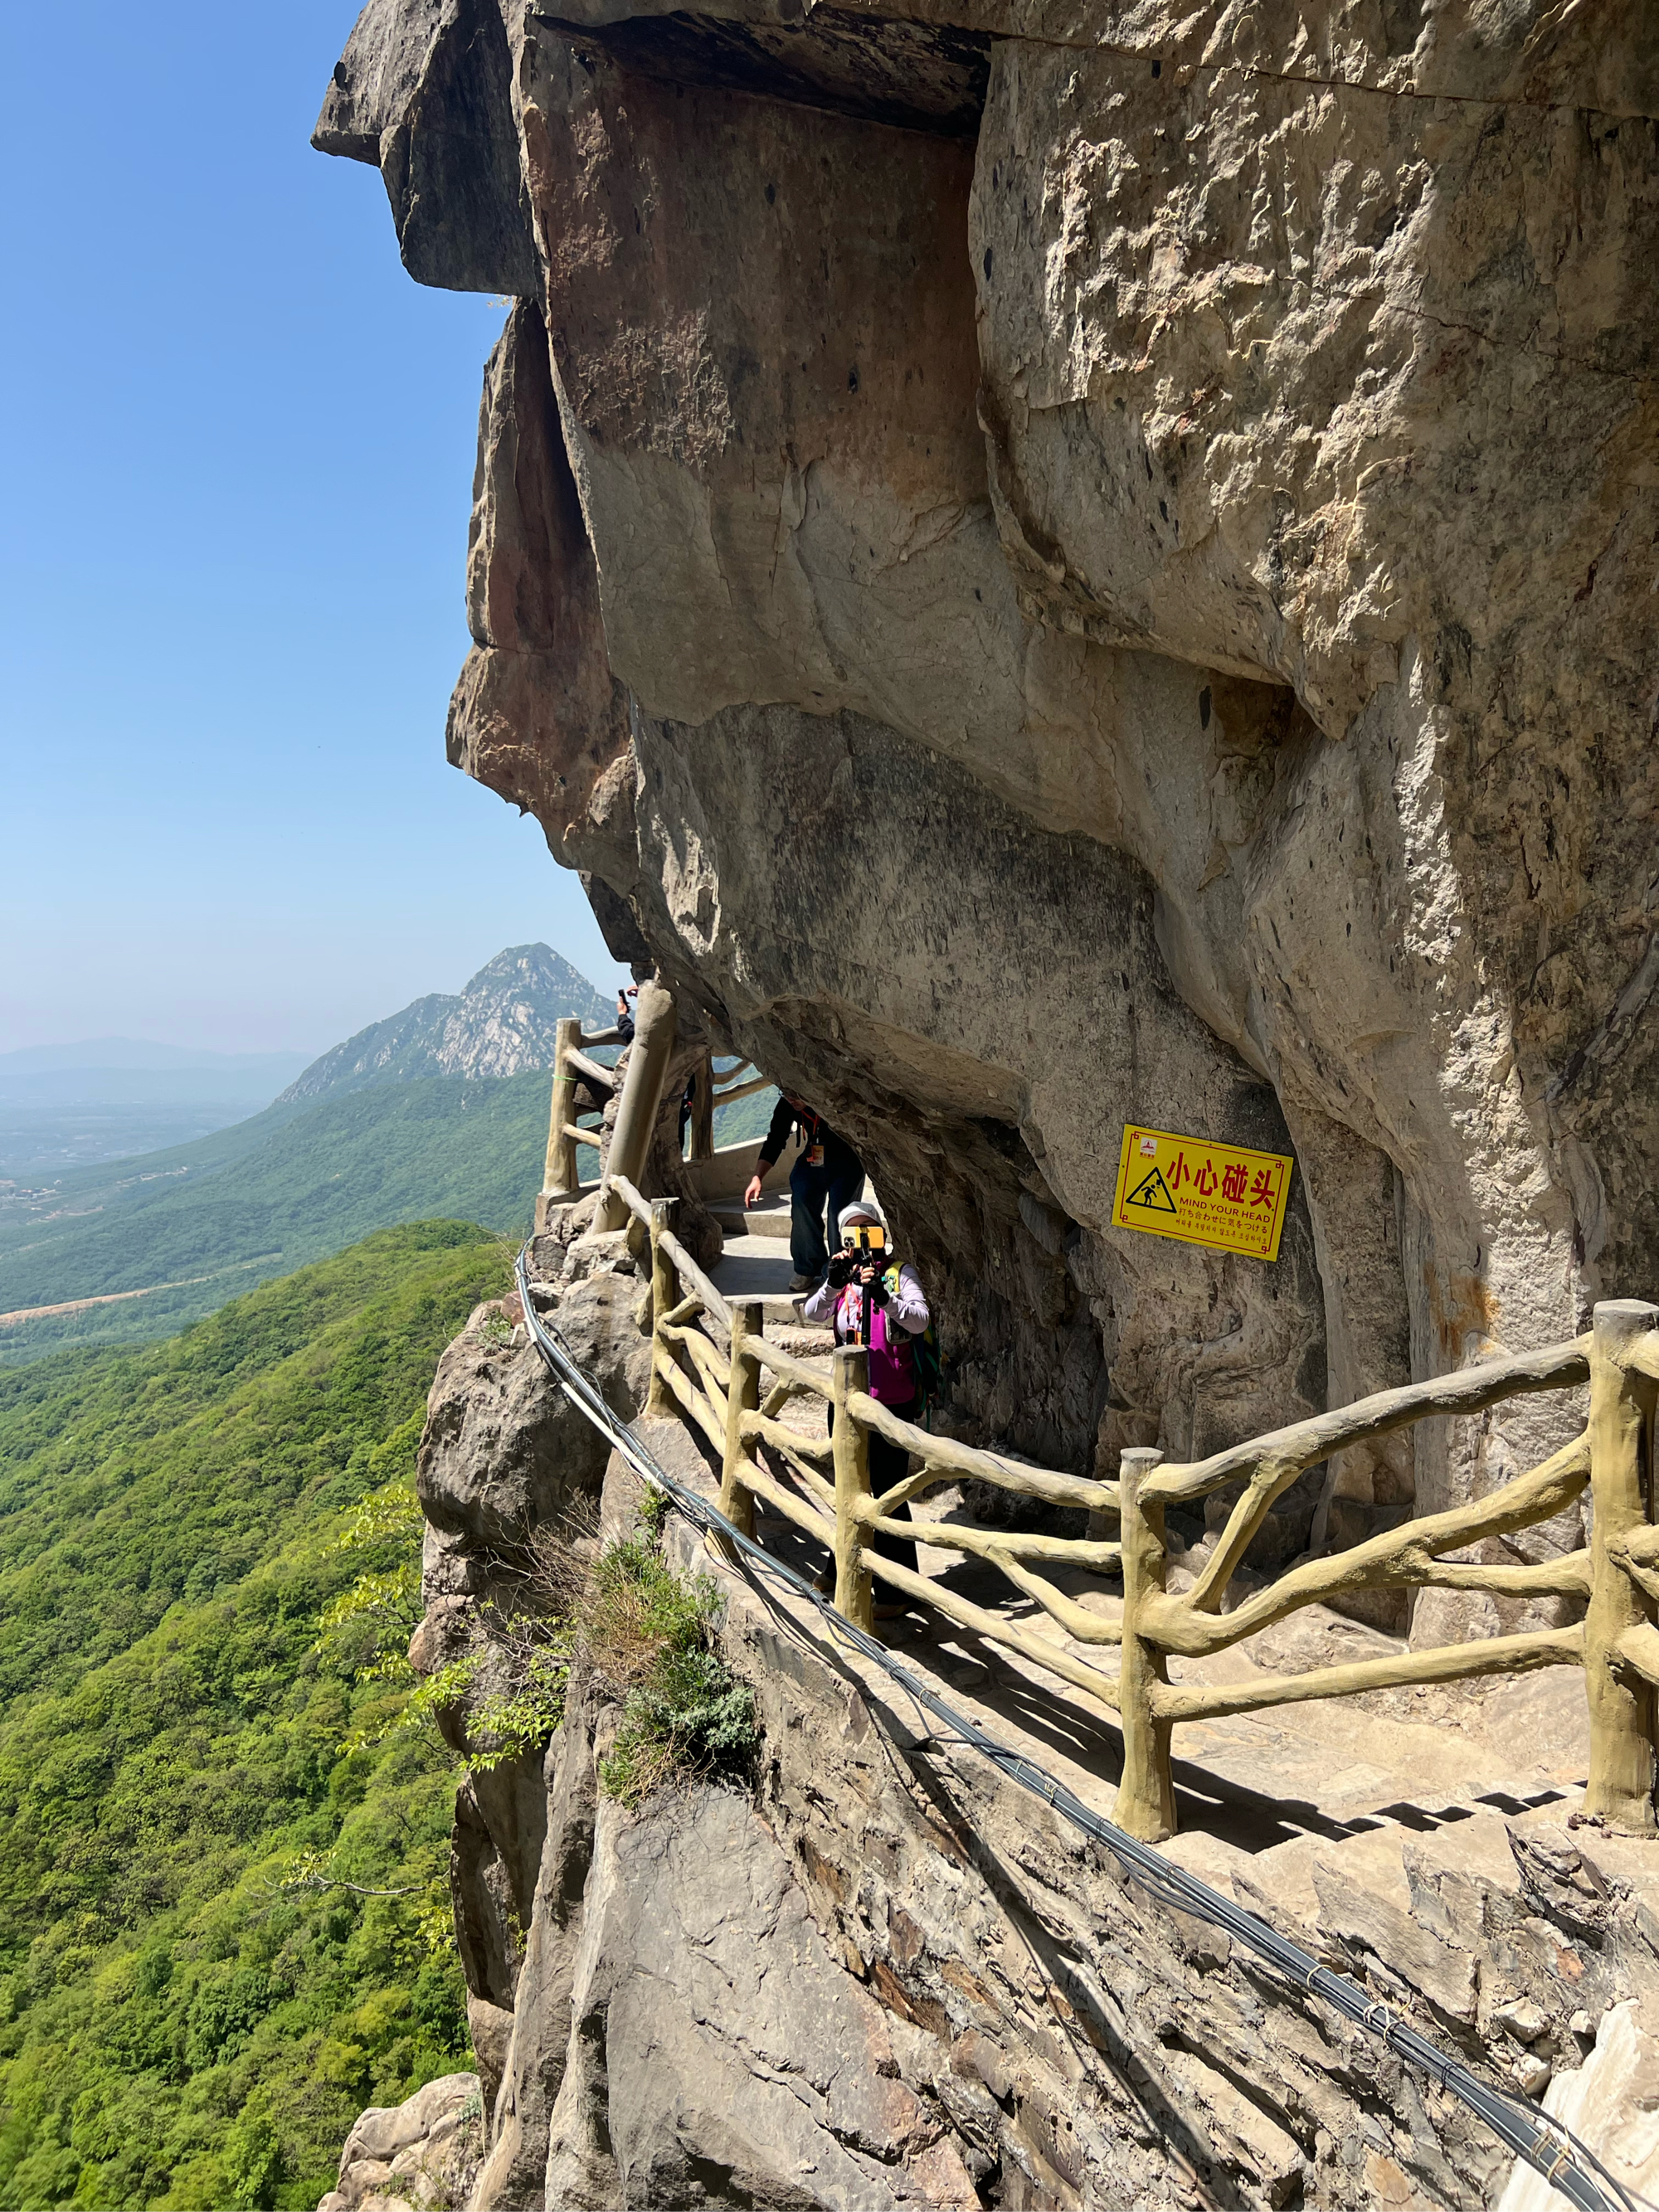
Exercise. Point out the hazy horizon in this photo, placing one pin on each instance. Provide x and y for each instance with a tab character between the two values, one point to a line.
158	1056
148	1054
96	1100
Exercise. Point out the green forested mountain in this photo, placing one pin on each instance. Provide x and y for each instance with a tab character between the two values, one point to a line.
192	2009
104	1188
215	1217
736	1125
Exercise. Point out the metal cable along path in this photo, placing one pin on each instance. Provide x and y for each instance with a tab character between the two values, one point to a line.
1567	2164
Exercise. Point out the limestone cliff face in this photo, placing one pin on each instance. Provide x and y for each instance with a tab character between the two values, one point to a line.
1055	563
881	1978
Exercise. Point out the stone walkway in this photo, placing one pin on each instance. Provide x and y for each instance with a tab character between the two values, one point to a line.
1262	1798
1407	1836
759	1267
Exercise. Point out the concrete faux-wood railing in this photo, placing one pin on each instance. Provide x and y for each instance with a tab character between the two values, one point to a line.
719	1392
714	1087
561	1177
638	1091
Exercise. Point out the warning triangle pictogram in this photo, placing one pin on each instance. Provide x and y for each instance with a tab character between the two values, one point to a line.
1153	1191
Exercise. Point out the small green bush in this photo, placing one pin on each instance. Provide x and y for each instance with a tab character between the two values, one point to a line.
685	1715
529	1712
254	2155
621	1615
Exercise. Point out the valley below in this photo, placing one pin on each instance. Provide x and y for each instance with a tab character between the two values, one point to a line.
441	1109
223	1863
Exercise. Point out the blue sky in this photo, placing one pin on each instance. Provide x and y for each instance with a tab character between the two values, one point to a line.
235	472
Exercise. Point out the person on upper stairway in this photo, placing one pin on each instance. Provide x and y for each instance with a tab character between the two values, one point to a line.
586	1096
827	1172
871	1297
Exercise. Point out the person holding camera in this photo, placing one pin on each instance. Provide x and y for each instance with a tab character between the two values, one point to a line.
872	1298
827	1172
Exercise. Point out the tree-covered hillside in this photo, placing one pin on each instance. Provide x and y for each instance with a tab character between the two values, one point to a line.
104	1188
193	2009
316	1182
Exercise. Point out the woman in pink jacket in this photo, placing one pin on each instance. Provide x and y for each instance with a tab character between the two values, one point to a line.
870	1301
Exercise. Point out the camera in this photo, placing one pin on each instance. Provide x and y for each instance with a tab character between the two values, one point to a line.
865	1246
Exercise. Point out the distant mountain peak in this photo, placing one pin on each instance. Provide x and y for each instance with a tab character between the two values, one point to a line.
503	1023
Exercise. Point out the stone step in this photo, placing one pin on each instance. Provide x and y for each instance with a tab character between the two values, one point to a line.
759	1268
768	1218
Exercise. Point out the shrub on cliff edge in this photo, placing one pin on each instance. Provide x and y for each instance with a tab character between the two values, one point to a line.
618	1614
685	1715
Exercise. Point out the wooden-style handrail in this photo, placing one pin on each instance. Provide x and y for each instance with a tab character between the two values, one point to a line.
693	1403
1446	1662
784	1501
766	1430
640	1209
1402	1558
800	1374
944	1460
1470	1390
605	1079
994	1629
713	1371
801	1465
729	1098
830	1495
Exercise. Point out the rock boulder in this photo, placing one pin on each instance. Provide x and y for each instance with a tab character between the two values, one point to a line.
1052	568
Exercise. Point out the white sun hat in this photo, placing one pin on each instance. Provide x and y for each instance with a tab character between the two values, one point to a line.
861	1209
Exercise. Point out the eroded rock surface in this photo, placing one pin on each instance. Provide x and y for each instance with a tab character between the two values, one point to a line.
1053	566
716	2048
420	2156
885	1977
503	1451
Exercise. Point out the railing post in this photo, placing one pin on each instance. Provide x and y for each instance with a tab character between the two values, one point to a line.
743	1396
660	1402
641	1094
561	1174
1146	1795
1621	1703
851	1445
702	1110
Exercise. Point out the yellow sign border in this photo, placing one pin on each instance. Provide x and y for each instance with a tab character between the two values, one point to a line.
1133	1131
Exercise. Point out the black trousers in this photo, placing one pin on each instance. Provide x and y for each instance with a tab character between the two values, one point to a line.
890	1463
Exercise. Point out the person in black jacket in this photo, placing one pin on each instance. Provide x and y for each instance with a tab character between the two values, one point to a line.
829	1172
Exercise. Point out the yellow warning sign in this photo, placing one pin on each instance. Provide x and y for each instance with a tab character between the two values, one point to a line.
1220	1195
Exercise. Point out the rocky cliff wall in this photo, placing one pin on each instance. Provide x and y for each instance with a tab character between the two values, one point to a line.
1051	563
880	1976
1055	563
